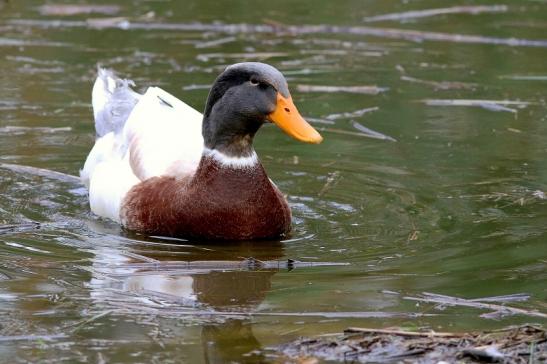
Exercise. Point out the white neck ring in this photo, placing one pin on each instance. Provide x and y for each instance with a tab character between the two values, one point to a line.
231	162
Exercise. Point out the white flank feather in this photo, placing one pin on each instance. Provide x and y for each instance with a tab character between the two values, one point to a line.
140	136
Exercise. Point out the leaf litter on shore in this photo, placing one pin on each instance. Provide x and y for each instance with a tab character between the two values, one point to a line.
520	344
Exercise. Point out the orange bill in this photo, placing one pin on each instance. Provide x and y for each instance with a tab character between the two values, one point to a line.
287	117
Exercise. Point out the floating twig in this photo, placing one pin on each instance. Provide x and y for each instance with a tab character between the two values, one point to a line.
492	105
32	337
129	307
104	23
402	332
256	55
79	325
23	129
194	86
496	107
456	301
41	172
319	121
467	102
352	114
215	43
332	180
24	226
246	264
524	78
442	85
392	33
347	132
10	42
371	133
478	9
64	10
367	90
517	297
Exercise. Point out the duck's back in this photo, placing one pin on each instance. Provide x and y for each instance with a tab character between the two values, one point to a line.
138	137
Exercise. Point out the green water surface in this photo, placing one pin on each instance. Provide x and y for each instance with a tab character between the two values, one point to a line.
455	206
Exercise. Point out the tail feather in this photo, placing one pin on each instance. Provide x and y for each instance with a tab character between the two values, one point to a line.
113	100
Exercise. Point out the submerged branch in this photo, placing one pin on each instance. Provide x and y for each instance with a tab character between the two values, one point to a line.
127	307
32	337
441	85
392	33
41	172
372	134
524	77
367	90
246	264
466	102
492	105
352	114
457	301
402	332
14	228
478	9
10	129
68	10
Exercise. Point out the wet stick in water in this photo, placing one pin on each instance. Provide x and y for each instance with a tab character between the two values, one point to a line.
69	10
32	337
479	9
441	85
23	129
402	332
41	172
469	102
168	309
367	134
352	114
25	226
262	56
491	105
390	33
498	310
81	324
524	77
155	266
371	133
367	90
332	180
319	121
215	42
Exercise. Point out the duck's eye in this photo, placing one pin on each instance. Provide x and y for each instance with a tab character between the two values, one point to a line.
254	82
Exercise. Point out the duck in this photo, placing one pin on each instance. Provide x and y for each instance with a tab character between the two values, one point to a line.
161	168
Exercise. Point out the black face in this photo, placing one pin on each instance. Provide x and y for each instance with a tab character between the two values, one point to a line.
238	105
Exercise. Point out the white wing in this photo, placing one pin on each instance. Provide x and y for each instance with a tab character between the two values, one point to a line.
159	135
164	136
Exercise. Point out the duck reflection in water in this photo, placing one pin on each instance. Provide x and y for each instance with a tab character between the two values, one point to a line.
201	278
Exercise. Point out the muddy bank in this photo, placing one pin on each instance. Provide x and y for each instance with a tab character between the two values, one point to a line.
522	344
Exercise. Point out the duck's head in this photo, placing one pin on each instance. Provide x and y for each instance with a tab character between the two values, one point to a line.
245	96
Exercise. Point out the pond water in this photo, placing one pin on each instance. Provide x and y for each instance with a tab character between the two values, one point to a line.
455	206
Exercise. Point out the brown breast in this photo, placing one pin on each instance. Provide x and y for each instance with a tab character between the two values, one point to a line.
216	203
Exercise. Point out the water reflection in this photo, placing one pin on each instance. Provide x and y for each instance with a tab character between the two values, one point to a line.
200	278
231	341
